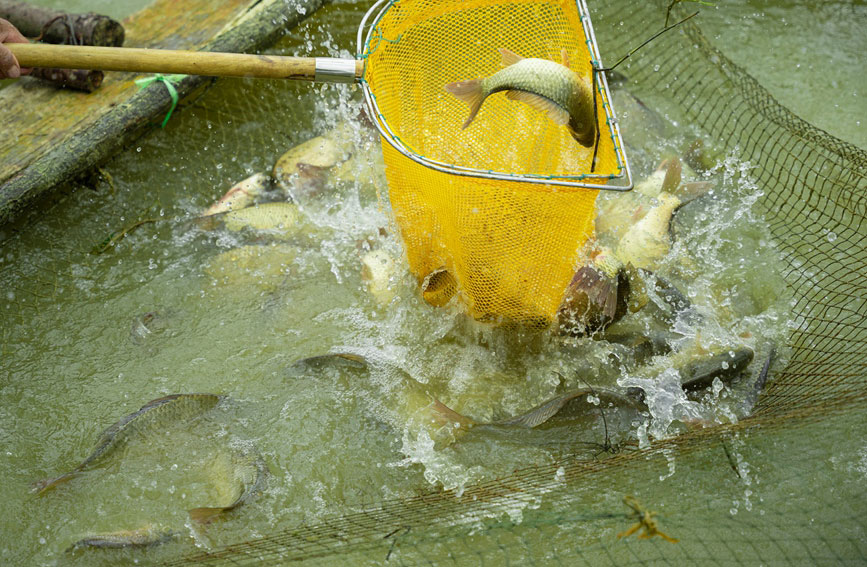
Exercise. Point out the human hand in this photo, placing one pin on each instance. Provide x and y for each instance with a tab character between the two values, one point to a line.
9	68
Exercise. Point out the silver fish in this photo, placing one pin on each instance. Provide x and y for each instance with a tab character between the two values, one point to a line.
176	407
145	536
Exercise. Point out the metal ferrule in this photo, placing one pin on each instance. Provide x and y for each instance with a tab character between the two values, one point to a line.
335	70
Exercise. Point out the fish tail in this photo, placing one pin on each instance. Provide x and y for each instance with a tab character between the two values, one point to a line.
508	57
47	484
206	515
470	92
444	415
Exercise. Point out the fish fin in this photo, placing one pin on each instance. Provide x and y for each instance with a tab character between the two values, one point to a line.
672	175
509	57
555	112
543	412
42	486
206	515
564	58
471	93
689	191
444	415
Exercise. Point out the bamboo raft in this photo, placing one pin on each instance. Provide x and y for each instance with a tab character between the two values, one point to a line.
53	135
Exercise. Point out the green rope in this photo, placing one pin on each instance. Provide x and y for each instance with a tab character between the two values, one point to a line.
167	80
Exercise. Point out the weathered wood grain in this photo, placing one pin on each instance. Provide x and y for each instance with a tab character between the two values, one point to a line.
52	135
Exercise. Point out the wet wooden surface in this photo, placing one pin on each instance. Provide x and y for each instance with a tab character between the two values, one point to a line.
51	135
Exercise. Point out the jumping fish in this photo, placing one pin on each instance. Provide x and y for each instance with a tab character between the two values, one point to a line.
245	472
379	270
176	407
616	213
594	297
547	86
241	195
282	221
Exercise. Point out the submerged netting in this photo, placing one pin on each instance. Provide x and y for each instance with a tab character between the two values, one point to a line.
782	487
787	508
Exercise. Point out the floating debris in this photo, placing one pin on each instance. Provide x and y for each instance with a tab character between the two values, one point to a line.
646	522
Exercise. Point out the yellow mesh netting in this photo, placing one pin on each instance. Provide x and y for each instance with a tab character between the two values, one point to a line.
508	248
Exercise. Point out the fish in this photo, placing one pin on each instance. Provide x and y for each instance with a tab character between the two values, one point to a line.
148	535
176	407
282	221
254	267
546	410
602	291
646	242
617	212
700	371
642	238
697	367
445	425
595	296
547	86
241	195
303	170
245	472
379	272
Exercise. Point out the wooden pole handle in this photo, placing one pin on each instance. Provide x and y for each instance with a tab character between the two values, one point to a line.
206	63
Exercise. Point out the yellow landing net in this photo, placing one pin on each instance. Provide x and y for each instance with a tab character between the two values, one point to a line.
497	213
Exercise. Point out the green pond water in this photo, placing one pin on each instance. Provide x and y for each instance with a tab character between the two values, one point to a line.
336	439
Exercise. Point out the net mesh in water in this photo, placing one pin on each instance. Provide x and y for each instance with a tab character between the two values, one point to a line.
758	492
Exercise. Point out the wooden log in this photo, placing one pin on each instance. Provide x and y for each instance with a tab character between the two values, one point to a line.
35	163
56	26
87	80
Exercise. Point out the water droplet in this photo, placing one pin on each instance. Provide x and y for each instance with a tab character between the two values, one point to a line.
832	236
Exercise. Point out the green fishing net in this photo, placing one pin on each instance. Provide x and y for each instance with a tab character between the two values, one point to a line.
783	486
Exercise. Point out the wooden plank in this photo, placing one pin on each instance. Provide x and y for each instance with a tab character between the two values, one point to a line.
52	135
